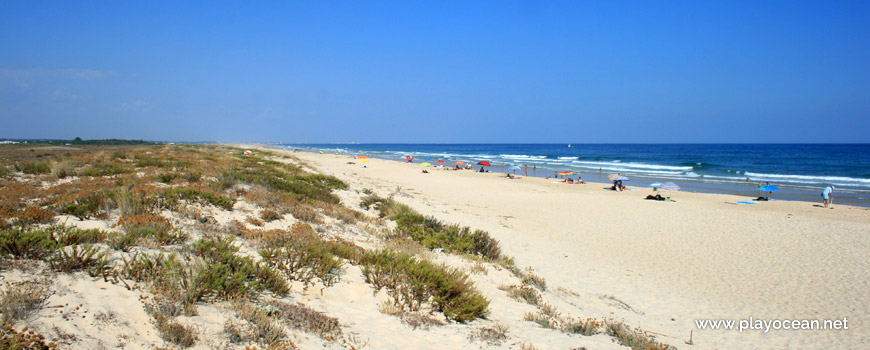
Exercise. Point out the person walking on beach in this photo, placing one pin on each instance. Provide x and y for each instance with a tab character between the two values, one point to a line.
828	196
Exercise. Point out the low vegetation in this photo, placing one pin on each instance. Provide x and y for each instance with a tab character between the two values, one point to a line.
411	283
431	233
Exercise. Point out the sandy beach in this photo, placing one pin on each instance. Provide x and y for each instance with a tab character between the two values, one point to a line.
656	265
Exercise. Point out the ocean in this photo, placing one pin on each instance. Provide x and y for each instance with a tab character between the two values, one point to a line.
801	171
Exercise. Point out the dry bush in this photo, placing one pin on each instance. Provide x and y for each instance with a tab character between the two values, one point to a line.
35	215
342	213
636	339
269	215
174	332
133	203
143	220
493	336
586	327
478	268
63	169
266	329
264	198
305	213
254	221
414	319
27	339
301	317
523	293
19	299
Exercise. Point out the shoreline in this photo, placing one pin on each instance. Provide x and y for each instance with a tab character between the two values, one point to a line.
748	191
701	257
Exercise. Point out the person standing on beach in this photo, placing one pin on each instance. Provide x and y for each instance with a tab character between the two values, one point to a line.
828	196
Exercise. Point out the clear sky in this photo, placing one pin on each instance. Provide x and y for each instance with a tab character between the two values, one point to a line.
437	72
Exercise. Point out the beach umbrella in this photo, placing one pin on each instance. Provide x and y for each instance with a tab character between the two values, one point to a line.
460	163
361	157
655	186
441	161
768	188
428	159
364	160
623	178
484	163
566	173
426	164
670	186
514	168
612	177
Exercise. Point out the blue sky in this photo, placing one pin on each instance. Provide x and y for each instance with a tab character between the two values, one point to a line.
437	72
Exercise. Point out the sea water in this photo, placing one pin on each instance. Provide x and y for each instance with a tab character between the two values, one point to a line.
801	171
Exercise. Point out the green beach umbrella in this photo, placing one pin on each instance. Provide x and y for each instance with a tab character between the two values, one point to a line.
426	164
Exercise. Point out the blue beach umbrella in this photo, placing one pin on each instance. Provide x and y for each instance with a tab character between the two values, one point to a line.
428	159
768	188
515	168
655	186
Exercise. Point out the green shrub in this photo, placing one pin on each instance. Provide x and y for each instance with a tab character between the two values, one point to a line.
143	161
303	261
5	172
33	168
411	283
159	233
80	257
166	177
105	169
387	208
84	207
431	233
173	195
192	176
229	275
66	236
21	243
144	267
314	188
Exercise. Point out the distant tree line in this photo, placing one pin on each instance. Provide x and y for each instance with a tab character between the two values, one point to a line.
79	141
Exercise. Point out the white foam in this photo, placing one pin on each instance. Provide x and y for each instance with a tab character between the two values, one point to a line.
836	180
632	165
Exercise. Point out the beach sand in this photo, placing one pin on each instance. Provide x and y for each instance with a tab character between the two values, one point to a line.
657	265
